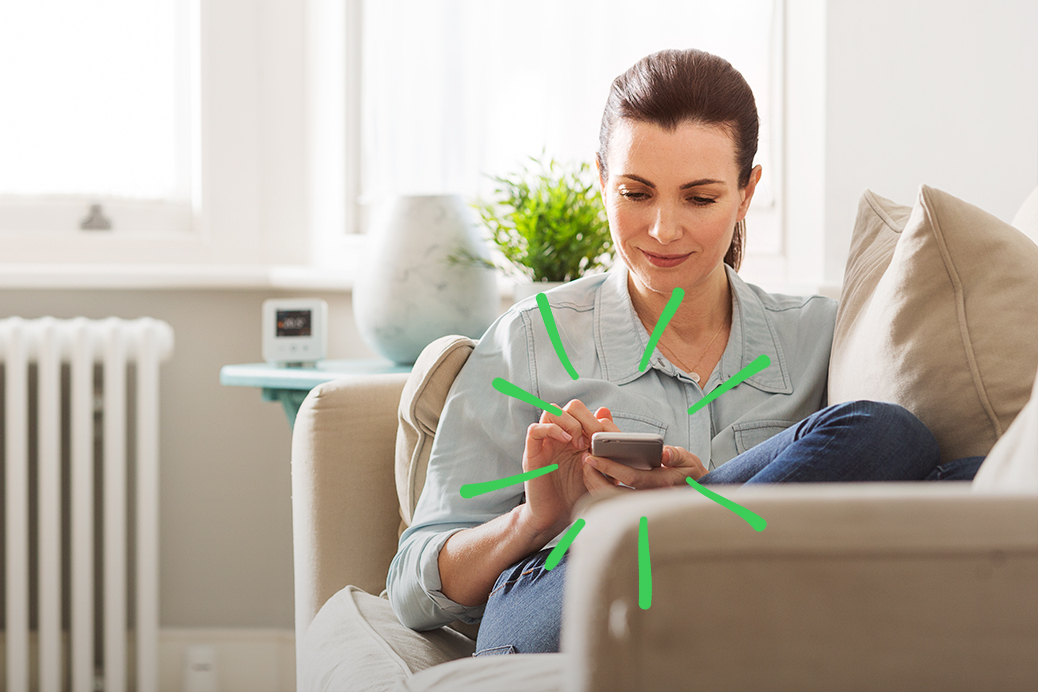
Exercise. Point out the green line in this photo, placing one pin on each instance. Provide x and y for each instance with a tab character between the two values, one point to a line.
472	489
676	296
506	387
559	550
644	566
755	520
553	332
759	363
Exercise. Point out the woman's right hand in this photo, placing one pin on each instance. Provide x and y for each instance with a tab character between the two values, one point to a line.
561	440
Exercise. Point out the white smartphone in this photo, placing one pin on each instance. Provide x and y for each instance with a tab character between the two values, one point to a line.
637	450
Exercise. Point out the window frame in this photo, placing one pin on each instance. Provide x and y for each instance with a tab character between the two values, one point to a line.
249	135
57	216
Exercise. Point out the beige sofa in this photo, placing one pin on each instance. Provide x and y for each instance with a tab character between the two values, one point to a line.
908	586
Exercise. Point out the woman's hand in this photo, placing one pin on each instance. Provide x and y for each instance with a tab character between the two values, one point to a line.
678	464
562	440
597	483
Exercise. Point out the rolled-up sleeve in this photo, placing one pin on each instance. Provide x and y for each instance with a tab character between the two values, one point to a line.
480	438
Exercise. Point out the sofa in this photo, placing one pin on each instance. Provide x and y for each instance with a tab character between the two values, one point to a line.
869	586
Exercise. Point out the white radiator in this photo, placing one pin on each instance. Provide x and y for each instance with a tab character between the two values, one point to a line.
52	364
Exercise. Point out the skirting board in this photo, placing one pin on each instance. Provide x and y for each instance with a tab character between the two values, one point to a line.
247	659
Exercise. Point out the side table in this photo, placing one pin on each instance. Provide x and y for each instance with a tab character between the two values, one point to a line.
291	384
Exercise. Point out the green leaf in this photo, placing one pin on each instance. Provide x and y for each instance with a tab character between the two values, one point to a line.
550	224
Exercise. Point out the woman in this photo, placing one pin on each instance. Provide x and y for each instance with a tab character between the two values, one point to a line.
675	163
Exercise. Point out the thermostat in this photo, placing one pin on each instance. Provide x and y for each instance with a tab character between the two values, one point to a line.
295	330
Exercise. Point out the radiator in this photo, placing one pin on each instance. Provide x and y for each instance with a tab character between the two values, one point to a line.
68	462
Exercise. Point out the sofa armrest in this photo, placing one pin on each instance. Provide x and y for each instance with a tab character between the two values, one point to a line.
851	587
345	513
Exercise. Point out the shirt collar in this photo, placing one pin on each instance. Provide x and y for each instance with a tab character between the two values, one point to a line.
621	338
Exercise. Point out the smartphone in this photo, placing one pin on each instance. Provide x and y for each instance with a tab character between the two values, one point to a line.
637	450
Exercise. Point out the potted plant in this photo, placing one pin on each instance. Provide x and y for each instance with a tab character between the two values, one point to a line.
549	224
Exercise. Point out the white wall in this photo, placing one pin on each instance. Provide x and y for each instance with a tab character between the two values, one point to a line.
891	94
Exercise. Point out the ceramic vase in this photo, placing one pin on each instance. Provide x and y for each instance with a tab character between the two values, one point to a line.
525	289
418	281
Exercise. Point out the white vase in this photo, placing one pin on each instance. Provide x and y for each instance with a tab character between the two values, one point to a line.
409	291
525	289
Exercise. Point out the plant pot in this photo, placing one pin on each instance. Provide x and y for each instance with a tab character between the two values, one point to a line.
410	291
525	289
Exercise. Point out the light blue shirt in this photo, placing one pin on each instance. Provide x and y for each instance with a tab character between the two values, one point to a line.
481	433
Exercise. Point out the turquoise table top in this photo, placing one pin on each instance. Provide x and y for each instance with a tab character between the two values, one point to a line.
272	376
291	384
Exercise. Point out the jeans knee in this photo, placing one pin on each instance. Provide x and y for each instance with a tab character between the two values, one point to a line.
883	419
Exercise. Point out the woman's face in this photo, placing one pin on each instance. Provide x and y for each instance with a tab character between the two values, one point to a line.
673	199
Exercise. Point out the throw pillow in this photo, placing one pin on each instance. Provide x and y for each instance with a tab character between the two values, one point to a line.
1012	465
939	313
420	404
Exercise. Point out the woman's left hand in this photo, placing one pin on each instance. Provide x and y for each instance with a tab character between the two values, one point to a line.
604	475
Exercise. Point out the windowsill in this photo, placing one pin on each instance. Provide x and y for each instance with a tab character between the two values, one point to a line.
170	277
173	277
245	277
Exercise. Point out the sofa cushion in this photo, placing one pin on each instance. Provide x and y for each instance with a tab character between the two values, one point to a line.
1012	465
937	314
419	413
516	673
356	643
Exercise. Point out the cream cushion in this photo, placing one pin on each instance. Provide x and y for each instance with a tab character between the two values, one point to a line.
1012	465
938	314
420	405
356	643
513	673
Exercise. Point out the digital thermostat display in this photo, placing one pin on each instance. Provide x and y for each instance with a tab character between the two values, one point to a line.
295	330
294	322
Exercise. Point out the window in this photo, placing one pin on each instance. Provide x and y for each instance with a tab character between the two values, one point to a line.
456	90
272	125
96	112
218	89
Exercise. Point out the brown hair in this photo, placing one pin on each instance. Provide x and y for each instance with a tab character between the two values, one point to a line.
676	86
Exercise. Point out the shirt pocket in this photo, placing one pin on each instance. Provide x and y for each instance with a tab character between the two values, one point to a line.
751	433
637	423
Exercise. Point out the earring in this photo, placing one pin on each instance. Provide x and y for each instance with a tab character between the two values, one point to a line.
740	227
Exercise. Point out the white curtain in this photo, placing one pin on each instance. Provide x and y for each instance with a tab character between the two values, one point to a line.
456	90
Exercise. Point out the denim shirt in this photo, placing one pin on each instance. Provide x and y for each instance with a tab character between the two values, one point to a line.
481	433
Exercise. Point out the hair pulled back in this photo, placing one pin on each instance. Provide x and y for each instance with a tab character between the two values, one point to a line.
672	87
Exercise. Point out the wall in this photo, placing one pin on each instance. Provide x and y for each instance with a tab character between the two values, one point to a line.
888	95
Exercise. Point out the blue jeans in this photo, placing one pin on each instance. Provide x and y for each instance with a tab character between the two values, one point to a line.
856	441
